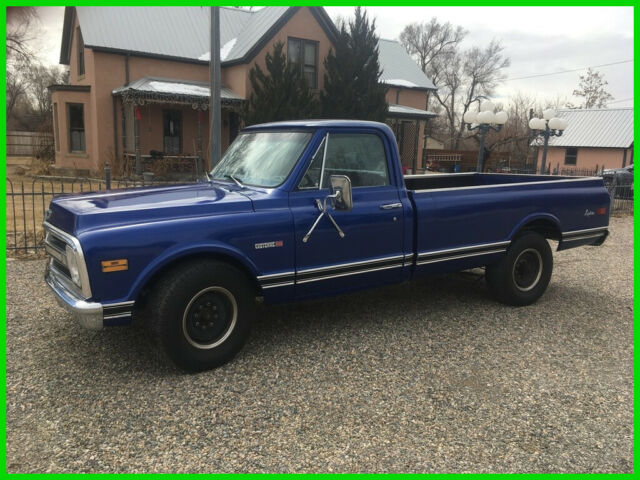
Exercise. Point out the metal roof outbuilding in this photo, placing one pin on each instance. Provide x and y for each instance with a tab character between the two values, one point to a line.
603	128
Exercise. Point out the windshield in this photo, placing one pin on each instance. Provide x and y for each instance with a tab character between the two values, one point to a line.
262	159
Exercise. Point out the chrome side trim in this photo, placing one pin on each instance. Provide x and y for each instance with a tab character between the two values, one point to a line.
275	275
276	285
351	264
462	249
456	257
582	237
504	185
75	244
118	315
577	232
345	274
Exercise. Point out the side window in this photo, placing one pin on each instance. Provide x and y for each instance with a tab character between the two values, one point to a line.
360	156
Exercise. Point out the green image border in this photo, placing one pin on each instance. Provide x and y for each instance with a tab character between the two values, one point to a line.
326	3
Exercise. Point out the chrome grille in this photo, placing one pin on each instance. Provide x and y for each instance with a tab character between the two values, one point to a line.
55	244
56	247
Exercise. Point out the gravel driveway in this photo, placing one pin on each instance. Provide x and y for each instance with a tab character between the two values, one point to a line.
427	376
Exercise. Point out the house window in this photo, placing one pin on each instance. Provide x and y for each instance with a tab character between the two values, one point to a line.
305	53
571	156
56	129
172	131
80	47
75	114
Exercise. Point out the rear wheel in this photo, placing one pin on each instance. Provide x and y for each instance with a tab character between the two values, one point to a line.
203	313
523	274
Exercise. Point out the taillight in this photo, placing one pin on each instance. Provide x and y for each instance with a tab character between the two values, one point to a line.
601	211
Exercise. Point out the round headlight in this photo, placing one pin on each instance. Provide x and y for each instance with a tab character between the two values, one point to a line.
72	265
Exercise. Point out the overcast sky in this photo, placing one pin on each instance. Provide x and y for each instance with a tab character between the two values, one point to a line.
538	40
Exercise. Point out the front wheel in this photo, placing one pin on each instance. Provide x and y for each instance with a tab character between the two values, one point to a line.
203	312
522	276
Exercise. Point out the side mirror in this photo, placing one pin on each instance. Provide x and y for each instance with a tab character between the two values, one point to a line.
341	188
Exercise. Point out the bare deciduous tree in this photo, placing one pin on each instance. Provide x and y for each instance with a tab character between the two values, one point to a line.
39	78
20	30
28	97
427	40
16	90
592	89
464	78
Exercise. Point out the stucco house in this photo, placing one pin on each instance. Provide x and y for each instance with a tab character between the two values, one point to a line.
138	82
594	139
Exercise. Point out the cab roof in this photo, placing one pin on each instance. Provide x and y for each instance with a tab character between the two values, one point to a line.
297	124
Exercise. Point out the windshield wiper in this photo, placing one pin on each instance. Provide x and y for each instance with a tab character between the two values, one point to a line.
238	182
208	176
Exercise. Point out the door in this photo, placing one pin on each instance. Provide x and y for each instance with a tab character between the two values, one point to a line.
371	251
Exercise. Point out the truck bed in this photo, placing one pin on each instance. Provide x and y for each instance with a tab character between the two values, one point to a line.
468	220
461	180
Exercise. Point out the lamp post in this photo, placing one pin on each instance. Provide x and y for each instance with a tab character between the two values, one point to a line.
547	126
484	121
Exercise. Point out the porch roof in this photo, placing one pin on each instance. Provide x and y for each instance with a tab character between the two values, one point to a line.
174	90
402	111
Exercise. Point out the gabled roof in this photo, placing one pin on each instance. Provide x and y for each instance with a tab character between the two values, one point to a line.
179	32
182	33
399	69
608	127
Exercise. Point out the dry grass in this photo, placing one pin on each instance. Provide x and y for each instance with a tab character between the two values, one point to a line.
27	199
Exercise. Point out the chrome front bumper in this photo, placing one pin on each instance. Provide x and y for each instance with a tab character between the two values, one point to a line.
88	314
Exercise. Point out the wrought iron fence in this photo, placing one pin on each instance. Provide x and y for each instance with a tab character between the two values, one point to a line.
27	202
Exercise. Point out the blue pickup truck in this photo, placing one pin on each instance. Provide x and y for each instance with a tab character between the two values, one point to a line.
300	210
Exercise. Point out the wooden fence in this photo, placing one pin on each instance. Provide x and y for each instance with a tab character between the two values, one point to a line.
28	144
464	160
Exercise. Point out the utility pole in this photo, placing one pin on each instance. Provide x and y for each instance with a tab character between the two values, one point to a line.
215	120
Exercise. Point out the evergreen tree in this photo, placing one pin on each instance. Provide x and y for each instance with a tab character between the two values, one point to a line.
280	93
352	87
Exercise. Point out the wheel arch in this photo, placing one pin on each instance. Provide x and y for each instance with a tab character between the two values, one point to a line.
162	265
546	225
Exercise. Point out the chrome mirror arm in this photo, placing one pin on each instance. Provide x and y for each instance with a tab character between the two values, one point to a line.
323	211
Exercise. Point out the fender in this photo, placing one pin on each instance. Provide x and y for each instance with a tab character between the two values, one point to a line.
532	218
181	251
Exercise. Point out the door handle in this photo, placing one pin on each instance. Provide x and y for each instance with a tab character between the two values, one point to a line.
390	206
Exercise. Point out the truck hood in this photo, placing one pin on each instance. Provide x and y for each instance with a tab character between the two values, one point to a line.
77	213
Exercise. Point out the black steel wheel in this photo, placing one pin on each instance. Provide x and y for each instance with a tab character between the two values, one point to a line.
523	274
527	269
203	311
209	317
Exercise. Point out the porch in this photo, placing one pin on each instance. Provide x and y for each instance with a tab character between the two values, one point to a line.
409	126
165	126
